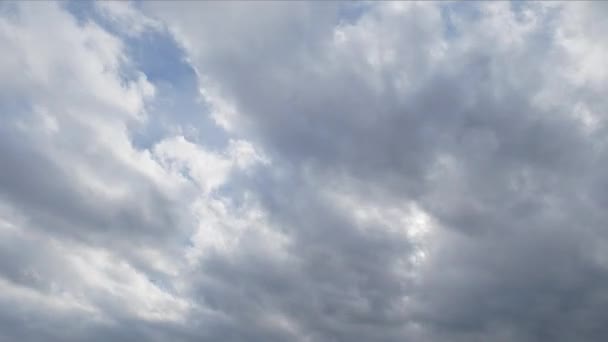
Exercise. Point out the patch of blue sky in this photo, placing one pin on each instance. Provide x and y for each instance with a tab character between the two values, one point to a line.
178	107
350	12
460	9
8	9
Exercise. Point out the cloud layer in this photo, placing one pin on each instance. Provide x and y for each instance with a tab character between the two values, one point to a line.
303	171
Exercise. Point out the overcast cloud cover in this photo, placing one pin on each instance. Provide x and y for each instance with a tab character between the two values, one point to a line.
303	171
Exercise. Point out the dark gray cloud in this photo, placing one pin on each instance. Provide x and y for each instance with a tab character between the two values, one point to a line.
392	171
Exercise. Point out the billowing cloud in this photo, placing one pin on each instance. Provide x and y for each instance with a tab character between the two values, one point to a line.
268	171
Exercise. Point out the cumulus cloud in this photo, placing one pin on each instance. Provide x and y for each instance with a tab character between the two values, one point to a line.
391	171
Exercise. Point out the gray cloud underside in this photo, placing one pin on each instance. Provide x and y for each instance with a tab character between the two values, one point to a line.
392	172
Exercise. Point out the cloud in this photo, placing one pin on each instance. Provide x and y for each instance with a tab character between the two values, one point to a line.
390	171
127	18
92	226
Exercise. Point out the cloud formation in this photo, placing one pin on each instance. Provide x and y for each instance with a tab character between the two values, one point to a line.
303	171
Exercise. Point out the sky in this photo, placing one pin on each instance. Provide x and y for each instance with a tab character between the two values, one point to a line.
303	171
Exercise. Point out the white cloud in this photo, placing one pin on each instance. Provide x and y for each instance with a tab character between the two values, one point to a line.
111	220
126	17
392	171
